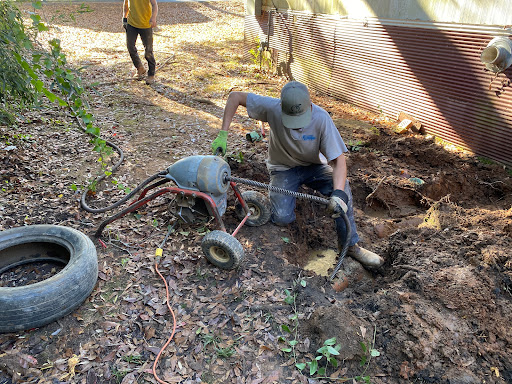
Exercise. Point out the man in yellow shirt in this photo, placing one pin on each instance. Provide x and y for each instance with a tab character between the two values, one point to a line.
139	18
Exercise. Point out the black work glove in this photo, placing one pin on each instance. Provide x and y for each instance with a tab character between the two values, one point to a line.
125	22
338	203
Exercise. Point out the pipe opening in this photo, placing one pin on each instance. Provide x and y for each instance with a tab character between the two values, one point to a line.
490	55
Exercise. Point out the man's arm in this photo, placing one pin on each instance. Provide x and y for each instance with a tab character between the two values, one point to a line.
339	172
125	8
339	199
154	13
235	99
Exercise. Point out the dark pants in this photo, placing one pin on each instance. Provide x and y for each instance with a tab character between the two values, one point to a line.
317	177
146	35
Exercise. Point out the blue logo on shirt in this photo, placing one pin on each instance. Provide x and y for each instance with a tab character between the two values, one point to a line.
308	137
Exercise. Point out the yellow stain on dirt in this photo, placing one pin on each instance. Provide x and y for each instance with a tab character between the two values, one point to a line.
321	260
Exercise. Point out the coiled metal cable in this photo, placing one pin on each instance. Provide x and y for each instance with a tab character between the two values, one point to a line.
271	188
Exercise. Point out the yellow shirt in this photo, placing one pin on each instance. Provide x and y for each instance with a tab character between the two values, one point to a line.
139	13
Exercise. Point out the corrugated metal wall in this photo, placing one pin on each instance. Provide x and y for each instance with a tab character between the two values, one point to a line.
430	71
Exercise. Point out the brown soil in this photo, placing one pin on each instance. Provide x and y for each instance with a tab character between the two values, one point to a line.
438	311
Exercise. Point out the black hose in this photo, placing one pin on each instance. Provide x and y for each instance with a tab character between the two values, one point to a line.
169	230
345	245
158	175
112	170
302	196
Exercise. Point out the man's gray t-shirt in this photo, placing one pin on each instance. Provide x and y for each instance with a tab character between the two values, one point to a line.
317	143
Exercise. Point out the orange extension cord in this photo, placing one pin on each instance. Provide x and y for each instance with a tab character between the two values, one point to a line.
158	254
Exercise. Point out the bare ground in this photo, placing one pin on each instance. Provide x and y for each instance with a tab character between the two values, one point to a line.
438	311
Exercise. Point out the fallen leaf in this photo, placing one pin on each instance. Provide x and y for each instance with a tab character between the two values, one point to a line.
496	371
129	379
405	370
149	332
363	331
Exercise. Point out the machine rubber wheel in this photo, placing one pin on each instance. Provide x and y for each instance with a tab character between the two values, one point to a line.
38	304
222	249
258	204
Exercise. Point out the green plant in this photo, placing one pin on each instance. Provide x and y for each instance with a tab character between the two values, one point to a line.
135	359
29	70
93	183
325	355
202	274
369	351
239	158
203	230
17	136
261	54
225	352
119	375
62	17
355	145
124	261
222	352
319	364
255	53
292	333
485	160
17	90
209	338
119	185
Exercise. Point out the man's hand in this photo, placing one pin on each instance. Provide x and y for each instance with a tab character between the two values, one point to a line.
125	22
152	22
219	145
338	203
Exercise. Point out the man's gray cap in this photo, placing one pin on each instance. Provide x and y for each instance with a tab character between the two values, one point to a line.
295	105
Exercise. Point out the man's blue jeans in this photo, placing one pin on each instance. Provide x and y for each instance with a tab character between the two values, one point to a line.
317	177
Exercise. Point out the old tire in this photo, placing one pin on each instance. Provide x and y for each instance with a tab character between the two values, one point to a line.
258	204
222	250
38	304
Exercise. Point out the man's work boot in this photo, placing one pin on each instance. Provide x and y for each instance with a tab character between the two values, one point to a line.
365	256
150	80
140	73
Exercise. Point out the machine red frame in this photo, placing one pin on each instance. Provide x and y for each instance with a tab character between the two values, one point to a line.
210	205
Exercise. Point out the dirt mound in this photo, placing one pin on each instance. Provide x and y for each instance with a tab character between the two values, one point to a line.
437	311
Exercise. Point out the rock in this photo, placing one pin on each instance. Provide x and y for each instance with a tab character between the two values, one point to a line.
350	273
415	126
404	126
384	230
340	284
